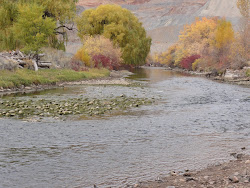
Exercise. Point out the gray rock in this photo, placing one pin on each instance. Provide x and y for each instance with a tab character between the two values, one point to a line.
236	173
246	180
170	187
244	172
234	179
212	182
190	179
173	173
247	162
206	177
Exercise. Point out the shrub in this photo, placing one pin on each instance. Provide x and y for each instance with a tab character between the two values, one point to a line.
82	55
77	65
99	50
104	61
196	64
187	62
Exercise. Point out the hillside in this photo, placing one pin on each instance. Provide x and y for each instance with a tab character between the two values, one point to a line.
163	19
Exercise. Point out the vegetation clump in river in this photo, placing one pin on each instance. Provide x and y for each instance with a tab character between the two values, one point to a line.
74	106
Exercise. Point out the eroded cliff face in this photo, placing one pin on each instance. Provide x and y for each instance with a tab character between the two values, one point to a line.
163	19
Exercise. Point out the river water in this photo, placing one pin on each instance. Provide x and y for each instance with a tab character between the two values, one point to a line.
196	122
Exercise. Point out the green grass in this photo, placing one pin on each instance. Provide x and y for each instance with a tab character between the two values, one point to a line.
248	72
12	79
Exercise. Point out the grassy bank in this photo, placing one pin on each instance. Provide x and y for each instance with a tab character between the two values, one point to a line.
248	72
12	79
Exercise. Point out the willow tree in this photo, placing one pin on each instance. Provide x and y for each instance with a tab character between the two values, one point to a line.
119	25
8	16
32	30
244	7
60	11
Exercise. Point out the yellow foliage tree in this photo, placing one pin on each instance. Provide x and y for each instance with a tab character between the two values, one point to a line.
224	34
119	25
198	31
244	7
194	38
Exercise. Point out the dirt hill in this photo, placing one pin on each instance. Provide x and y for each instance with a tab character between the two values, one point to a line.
163	19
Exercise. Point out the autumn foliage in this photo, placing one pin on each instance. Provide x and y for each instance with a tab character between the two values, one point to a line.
187	62
205	45
119	25
99	51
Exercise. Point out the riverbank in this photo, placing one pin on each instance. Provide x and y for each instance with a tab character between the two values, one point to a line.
237	77
233	174
28	81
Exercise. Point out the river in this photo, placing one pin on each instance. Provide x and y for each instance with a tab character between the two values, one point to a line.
196	122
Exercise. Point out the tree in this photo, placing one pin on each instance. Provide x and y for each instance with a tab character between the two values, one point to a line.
224	34
244	31
31	29
8	15
206	44
244	7
195	38
119	25
60	11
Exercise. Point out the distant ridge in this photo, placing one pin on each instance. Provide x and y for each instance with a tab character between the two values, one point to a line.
163	19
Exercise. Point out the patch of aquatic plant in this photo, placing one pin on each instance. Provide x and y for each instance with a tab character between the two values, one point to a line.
74	106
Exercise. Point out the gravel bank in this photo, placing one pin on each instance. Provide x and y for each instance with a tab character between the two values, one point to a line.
233	174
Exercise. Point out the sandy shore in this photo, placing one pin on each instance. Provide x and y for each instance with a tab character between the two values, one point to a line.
233	174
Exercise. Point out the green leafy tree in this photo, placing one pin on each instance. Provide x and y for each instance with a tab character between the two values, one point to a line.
119	25
31	29
61	12
8	15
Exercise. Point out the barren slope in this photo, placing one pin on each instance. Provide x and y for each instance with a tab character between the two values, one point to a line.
163	19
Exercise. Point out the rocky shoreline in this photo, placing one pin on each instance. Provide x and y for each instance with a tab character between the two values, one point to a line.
232	174
237	77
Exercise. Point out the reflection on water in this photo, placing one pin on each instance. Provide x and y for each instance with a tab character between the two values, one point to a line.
54	91
153	75
196	122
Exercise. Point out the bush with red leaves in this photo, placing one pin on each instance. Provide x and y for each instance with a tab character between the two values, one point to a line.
186	63
106	62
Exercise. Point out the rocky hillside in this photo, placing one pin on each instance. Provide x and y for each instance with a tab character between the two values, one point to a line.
163	19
